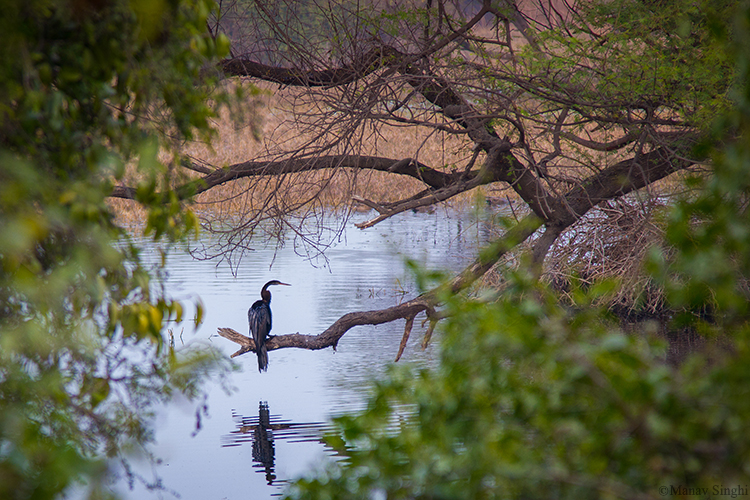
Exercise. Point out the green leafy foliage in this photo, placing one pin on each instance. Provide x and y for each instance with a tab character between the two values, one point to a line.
307	23
631	60
86	90
712	229
534	399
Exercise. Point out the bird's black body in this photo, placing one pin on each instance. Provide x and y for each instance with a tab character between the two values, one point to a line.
259	318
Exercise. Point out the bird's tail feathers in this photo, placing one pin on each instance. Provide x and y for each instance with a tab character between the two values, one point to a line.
262	358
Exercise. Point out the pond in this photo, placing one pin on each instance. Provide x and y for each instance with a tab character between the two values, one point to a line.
267	430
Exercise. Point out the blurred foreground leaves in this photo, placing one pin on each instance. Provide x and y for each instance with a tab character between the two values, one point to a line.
88	90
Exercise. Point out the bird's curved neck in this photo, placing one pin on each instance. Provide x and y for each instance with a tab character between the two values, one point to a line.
265	295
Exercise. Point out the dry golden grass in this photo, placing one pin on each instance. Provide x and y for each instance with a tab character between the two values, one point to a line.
264	129
279	136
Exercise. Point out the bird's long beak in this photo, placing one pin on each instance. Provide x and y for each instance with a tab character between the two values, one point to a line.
285	284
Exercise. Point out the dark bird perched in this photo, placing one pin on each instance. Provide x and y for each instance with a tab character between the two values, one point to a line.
259	317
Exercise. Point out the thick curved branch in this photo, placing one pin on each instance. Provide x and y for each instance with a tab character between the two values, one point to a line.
333	334
612	145
624	177
615	181
433	178
366	64
500	165
363	65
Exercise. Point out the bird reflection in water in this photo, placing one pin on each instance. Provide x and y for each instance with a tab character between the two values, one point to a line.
262	430
263	452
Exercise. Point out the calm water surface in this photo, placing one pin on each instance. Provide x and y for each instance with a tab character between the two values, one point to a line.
267	430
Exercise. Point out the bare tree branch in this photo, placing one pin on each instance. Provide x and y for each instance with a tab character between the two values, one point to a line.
410	167
509	94
333	334
602	146
365	64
